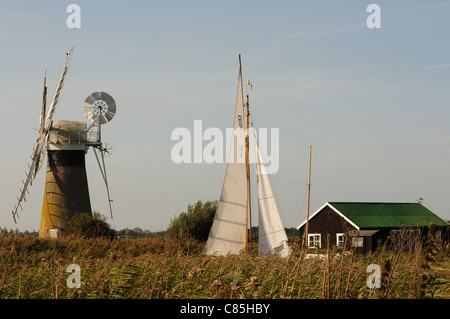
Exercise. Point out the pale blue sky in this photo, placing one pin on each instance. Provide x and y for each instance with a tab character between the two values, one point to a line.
374	103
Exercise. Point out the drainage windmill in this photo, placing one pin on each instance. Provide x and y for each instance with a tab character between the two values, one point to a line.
66	188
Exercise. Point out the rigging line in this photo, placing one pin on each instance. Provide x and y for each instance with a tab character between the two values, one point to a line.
254	199
308	184
302	208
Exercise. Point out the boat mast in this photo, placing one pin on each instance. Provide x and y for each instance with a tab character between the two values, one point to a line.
249	203
307	208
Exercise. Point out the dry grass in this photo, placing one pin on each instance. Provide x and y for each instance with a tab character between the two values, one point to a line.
160	268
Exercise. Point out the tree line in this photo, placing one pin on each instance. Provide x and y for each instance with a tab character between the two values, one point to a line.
194	223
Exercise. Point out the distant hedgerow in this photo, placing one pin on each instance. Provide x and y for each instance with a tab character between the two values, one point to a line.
195	223
83	225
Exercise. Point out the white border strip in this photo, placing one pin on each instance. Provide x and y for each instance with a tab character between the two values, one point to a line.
333	208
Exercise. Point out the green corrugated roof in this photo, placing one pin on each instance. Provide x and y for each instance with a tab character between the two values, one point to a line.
370	215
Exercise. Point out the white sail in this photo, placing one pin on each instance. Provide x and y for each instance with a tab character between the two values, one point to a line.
272	236
227	234
38	148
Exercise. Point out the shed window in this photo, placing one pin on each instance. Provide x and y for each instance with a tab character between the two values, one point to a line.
339	239
358	241
314	240
438	236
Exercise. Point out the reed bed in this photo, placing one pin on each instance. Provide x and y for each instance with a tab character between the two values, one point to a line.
161	268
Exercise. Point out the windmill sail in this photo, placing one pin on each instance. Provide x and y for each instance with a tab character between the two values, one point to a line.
272	236
41	140
41	123
227	234
55	99
43	105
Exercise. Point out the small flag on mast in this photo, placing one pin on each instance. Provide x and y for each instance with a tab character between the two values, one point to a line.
249	83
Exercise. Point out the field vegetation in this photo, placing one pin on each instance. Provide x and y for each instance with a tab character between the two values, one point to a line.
137	264
163	267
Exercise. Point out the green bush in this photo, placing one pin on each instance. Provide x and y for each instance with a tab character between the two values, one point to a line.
83	225
195	223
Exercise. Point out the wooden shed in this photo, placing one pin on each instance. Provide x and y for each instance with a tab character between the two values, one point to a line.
366	225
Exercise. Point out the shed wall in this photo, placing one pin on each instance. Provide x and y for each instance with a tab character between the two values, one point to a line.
327	221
